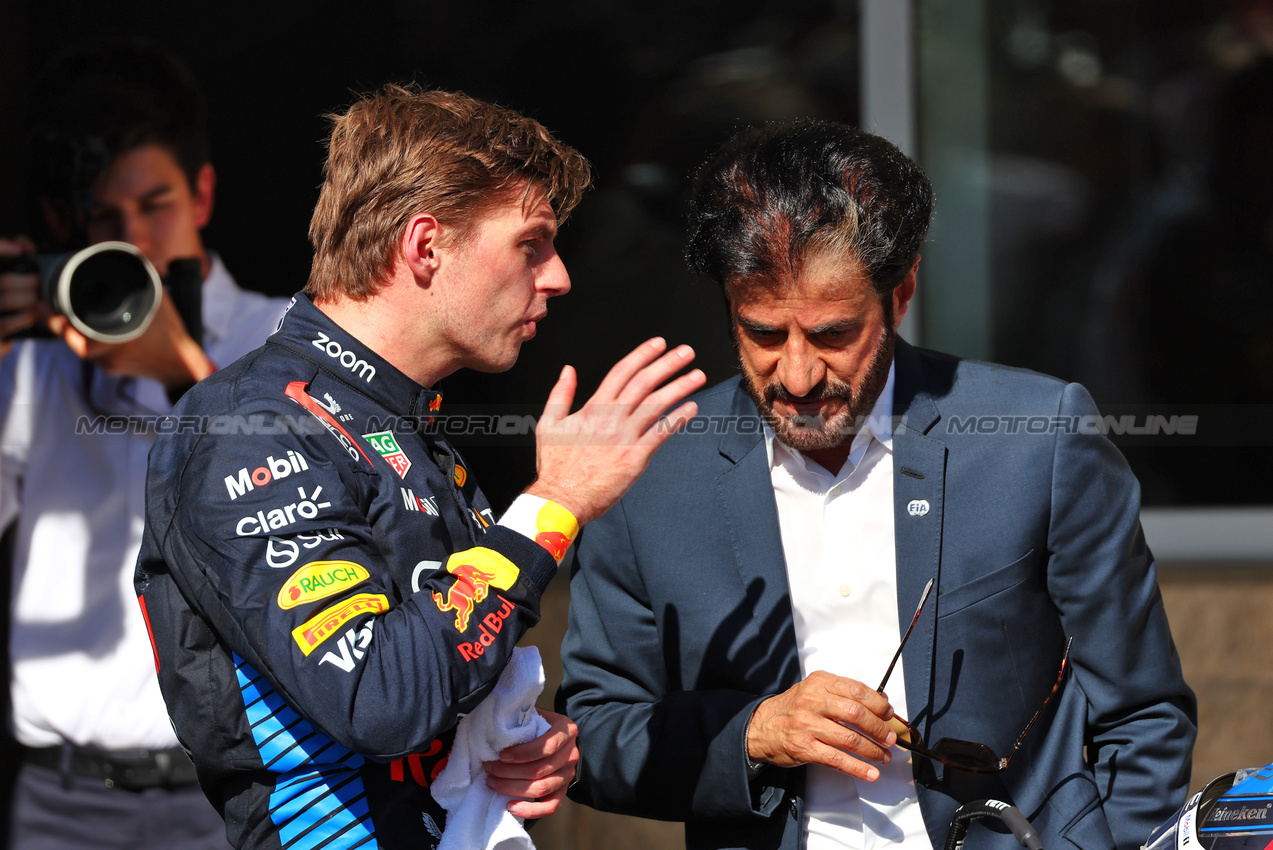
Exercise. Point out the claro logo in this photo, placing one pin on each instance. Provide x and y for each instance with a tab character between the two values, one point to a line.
348	359
307	507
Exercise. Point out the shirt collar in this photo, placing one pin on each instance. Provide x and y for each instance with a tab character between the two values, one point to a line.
878	427
219	301
311	333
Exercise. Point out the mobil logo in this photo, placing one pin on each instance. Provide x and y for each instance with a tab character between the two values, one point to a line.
249	479
344	357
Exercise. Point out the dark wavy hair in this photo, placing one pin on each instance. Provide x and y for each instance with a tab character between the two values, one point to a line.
773	197
96	103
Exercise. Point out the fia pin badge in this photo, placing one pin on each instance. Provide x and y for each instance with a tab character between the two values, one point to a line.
917	507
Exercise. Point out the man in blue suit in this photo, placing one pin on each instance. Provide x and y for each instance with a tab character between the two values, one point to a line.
731	616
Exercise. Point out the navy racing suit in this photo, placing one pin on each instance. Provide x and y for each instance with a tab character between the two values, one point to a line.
326	591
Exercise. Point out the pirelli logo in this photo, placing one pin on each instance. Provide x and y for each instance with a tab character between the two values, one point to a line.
322	626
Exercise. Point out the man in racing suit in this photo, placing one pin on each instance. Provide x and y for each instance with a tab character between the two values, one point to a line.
326	588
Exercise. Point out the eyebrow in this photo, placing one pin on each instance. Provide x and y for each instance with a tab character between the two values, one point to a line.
151	194
755	327
846	325
758	327
540	230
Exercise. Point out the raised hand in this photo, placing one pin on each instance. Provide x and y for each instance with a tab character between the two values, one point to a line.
588	459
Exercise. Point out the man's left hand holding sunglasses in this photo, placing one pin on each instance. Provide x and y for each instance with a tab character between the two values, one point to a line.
825	719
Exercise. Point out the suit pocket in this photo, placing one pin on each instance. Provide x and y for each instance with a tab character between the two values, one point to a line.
983	587
1087	828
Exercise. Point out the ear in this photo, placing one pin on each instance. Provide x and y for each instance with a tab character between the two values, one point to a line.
420	240
903	294
205	185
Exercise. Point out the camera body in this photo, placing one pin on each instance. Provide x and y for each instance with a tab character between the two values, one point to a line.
108	291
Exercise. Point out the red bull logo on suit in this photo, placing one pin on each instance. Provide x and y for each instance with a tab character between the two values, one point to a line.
476	571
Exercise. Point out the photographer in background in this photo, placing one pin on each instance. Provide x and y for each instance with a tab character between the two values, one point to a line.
119	153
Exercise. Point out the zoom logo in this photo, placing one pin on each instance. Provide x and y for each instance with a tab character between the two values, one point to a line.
348	359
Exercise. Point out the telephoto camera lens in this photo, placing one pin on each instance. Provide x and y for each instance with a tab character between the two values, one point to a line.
109	291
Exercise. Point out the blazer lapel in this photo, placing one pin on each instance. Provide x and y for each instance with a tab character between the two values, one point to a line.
919	467
747	506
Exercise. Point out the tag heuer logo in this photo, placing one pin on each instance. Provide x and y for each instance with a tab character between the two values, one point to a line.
387	447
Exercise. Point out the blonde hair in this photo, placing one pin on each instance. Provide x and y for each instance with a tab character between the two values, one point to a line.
404	151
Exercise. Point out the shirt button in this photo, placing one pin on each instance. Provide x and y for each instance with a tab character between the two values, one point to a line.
845	590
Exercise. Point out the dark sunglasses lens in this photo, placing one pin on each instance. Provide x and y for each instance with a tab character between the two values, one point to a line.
966	754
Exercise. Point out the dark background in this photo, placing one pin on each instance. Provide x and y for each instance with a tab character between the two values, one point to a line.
1115	259
643	90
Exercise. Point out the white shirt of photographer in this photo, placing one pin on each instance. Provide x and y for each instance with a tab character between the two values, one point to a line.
837	536
74	483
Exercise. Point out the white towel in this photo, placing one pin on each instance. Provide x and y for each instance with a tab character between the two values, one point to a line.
476	816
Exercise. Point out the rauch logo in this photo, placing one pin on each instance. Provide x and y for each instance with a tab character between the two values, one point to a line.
318	580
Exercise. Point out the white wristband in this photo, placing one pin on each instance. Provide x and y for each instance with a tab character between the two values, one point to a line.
546	522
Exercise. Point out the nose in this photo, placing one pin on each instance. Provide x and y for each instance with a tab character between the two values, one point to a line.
553	278
134	230
800	370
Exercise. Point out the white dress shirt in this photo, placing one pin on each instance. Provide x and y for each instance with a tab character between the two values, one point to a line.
837	536
83	669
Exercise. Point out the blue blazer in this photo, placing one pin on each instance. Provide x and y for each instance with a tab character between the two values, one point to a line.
680	620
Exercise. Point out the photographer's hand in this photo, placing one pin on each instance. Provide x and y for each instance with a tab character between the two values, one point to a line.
20	306
165	352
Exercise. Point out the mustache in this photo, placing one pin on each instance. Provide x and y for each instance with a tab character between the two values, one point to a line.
829	388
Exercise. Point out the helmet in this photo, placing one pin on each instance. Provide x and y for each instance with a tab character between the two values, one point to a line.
1232	812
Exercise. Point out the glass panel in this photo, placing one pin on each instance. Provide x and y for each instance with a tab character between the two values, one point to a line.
1105	214
672	84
